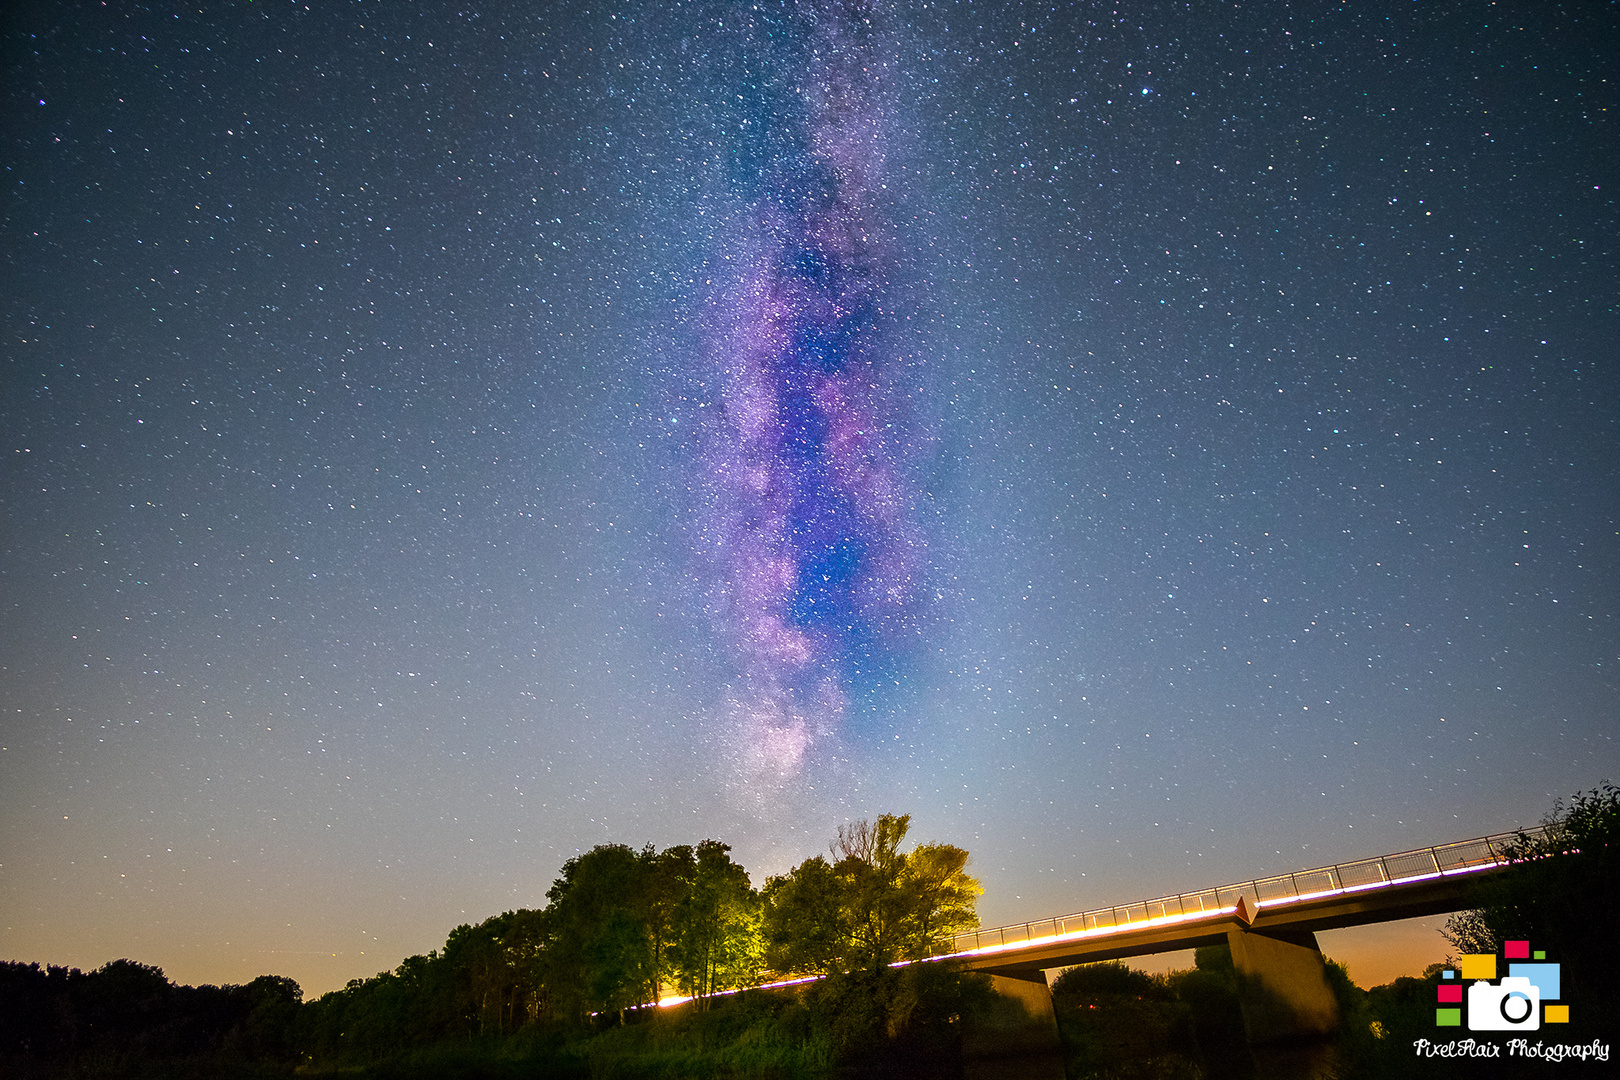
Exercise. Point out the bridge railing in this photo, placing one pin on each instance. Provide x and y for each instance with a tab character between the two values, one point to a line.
1375	873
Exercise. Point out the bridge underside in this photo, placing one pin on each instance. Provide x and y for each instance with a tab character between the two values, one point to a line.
1029	960
1270	925
1281	979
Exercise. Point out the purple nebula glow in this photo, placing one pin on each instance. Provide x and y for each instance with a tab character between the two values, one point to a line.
815	558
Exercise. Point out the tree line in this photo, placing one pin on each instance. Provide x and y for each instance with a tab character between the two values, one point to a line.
621	928
556	990
56	1020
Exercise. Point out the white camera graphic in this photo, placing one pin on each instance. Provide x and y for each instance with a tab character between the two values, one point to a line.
1512	1005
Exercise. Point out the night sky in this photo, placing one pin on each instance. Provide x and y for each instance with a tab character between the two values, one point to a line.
1154	445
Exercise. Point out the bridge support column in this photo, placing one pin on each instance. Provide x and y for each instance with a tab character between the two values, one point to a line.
1282	986
1018	1039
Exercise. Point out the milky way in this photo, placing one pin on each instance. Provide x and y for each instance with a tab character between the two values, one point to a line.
439	439
816	556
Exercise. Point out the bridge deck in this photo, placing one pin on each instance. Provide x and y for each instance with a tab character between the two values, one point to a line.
1427	881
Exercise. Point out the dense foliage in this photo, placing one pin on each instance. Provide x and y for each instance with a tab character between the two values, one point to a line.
621	928
560	991
124	1014
1119	1022
870	907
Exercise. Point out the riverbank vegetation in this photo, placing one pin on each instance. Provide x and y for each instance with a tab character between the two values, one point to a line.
563	990
569	986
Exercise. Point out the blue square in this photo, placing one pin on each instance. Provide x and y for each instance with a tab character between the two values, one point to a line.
1544	976
1448	974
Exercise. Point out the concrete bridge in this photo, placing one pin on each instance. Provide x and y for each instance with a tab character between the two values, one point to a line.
1270	924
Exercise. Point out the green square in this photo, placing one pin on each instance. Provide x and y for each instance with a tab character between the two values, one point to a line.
1541	954
1448	1018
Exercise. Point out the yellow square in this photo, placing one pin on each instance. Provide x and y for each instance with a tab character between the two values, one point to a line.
1555	1014
1477	965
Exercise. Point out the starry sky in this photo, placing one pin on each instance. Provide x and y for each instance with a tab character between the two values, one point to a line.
1153	445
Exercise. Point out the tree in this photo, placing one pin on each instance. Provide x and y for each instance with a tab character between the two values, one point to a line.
625	923
874	906
941	895
120	1001
600	956
492	972
717	926
804	920
669	876
273	1002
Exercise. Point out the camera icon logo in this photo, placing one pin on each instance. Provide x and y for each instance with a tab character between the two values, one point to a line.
1512	1005
1519	1002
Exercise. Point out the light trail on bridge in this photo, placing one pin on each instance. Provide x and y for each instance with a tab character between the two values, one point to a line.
1381	888
1395	874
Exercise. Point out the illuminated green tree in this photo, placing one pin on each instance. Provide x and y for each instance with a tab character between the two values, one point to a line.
878	913
668	877
940	895
717	942
873	906
803	926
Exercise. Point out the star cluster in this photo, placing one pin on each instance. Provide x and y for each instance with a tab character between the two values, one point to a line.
1150	447
817	558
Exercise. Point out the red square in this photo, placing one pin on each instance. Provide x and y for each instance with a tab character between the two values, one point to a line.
1451	993
1516	950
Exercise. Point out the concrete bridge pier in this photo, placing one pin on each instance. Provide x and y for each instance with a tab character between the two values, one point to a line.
1282	984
